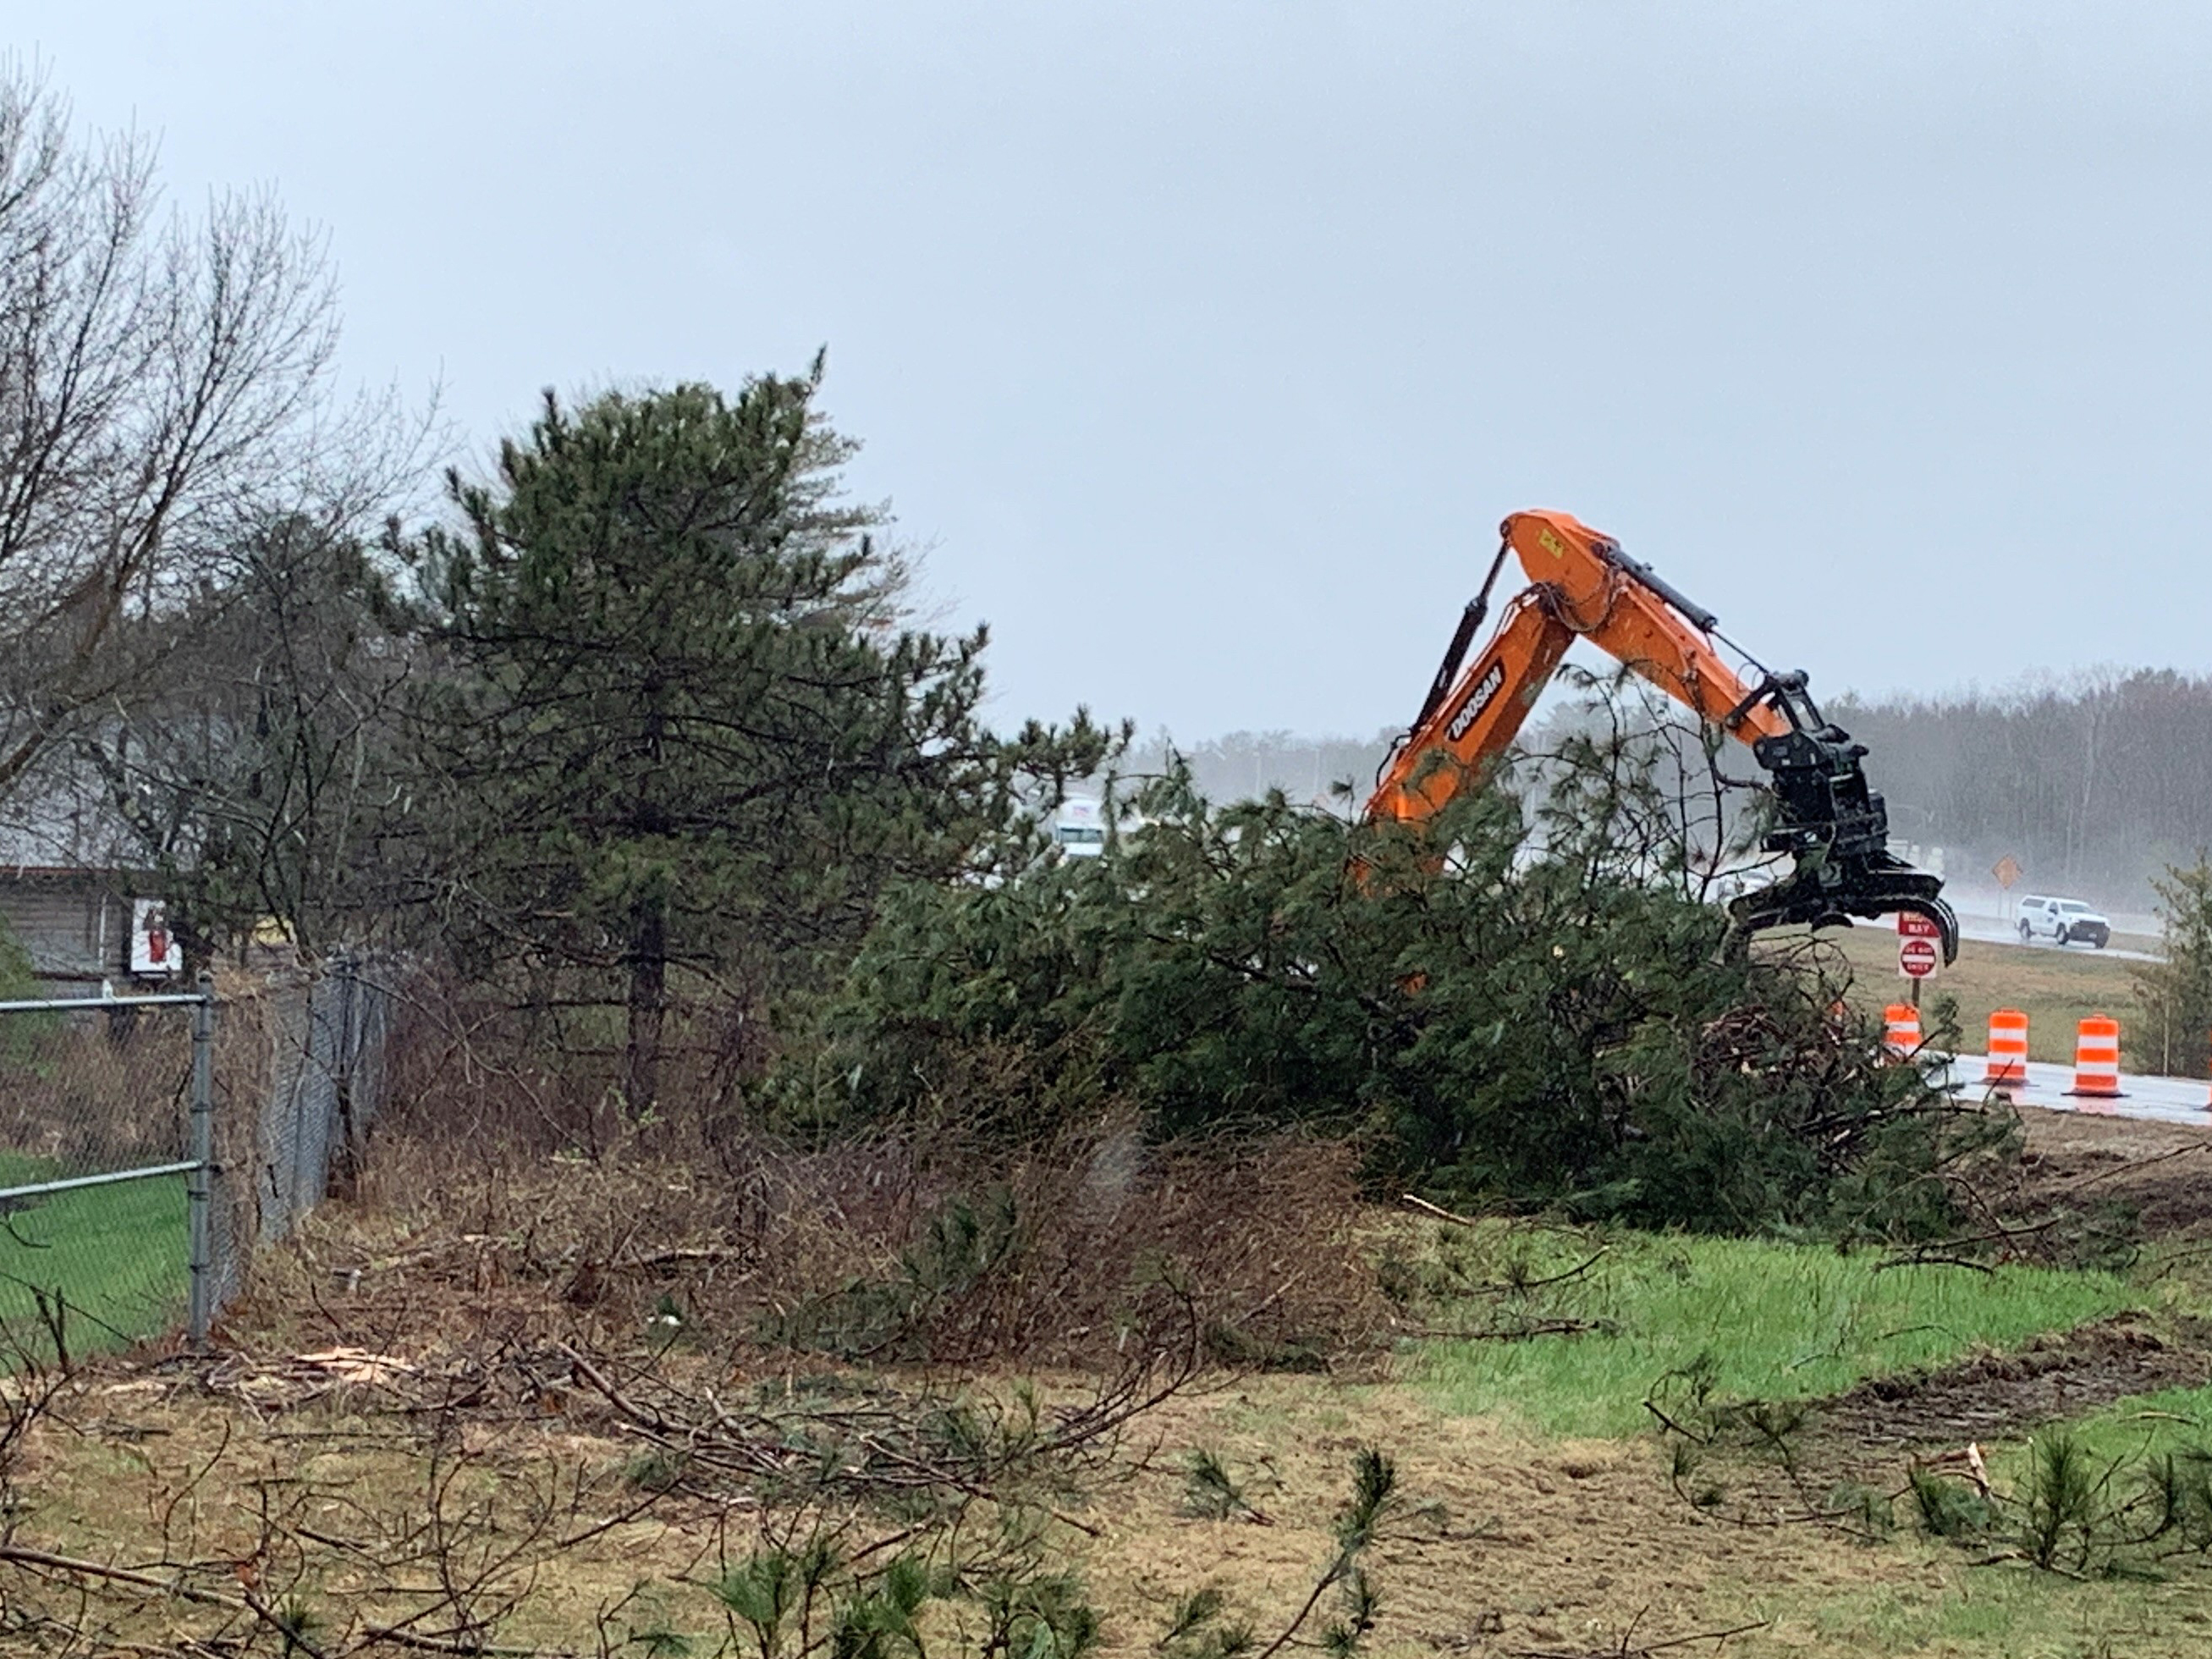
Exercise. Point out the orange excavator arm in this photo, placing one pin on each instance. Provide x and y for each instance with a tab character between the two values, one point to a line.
1581	585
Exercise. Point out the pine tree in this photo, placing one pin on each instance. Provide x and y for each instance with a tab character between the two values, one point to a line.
2174	1036
1554	1022
689	740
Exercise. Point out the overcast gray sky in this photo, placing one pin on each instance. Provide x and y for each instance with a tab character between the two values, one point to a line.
1202	345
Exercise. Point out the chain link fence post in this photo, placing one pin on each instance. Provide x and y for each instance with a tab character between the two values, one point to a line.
199	1181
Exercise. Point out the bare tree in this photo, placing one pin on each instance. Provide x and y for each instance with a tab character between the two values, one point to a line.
163	379
264	775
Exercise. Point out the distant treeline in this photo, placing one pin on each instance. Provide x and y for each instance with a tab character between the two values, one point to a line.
1333	770
2095	782
1245	764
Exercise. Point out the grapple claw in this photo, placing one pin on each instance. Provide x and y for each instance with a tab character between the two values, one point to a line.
1836	828
1831	893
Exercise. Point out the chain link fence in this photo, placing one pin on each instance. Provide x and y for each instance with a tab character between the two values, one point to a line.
300	1077
149	1145
104	1170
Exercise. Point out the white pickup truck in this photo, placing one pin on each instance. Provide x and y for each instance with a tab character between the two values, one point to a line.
2062	921
1078	829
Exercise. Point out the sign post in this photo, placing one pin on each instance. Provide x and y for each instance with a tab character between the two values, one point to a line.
2007	872
1918	956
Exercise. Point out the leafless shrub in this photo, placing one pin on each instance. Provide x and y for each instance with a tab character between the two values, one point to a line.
919	1243
1084	1252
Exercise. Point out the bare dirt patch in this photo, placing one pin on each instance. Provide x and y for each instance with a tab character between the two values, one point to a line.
2158	1175
2001	1396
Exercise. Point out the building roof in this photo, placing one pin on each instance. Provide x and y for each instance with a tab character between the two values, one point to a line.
59	821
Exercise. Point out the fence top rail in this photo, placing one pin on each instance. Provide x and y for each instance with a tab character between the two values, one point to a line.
159	999
113	1177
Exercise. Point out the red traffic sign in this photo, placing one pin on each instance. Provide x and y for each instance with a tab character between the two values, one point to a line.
1912	925
1916	958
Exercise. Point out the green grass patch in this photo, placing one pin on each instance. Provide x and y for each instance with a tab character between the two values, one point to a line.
2000	1614
2124	1493
2133	1431
114	1257
1761	1319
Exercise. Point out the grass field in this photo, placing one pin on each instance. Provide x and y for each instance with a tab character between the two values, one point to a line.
2055	988
1758	1318
1542	1513
1776	1320
2004	1615
2148	1425
115	1257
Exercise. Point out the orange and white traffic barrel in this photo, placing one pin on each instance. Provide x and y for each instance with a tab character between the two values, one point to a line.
2008	1060
1901	1024
2097	1059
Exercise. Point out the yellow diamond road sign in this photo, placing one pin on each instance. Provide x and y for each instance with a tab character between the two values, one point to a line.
2007	870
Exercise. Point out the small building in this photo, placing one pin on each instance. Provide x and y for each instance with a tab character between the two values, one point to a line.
68	897
85	928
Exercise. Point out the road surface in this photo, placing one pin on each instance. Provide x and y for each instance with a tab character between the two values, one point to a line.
1982	917
2165	1099
1987	930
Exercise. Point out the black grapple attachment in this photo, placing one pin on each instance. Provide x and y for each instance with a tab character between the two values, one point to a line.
1834	827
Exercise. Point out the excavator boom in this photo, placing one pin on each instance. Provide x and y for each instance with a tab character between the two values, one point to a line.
1581	585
